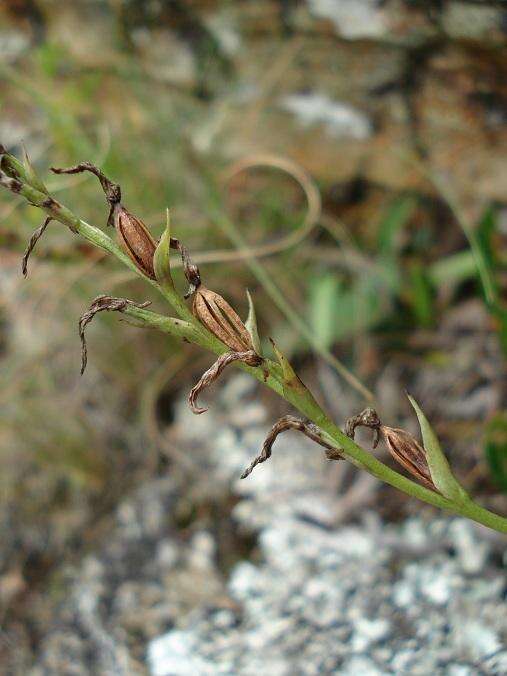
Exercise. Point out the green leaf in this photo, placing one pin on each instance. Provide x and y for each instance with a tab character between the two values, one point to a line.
161	260
399	213
323	294
31	174
420	295
251	325
440	471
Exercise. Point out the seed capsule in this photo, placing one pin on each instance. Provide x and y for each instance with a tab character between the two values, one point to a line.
135	239
221	320
406	450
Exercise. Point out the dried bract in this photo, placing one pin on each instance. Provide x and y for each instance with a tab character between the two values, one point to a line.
189	267
367	418
31	244
100	304
289	422
248	357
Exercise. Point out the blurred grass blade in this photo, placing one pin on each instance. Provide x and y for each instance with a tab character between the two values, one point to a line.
420	295
496	449
398	214
324	292
441	473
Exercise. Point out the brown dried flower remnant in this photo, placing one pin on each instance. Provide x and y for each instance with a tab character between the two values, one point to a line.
403	447
100	304
249	357
290	422
133	235
31	244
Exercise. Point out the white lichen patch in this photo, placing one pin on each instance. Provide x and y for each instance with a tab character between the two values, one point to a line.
352	19
340	119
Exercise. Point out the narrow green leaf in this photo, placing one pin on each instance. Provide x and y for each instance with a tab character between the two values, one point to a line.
251	325
323	293
441	473
32	175
399	213
420	295
161	260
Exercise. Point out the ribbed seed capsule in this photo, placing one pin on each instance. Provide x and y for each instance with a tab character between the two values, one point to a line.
135	239
406	450
221	320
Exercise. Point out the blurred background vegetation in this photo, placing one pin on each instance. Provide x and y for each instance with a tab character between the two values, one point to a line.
396	111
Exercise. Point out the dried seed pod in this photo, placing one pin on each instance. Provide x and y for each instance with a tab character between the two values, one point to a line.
101	304
248	357
406	450
289	422
134	237
221	320
403	447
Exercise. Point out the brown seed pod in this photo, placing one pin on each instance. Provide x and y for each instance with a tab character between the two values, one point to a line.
135	239
406	450
403	447
221	320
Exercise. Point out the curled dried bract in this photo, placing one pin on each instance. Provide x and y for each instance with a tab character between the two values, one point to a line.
290	422
248	357
403	447
31	244
100	304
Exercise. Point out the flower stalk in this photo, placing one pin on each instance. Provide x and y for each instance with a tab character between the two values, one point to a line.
279	376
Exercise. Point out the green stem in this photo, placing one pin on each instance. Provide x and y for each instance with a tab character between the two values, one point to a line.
269	373
301	399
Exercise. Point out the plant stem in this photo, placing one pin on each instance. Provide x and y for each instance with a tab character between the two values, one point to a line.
270	373
306	404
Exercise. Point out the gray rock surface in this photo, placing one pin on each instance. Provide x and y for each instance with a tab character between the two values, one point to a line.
422	597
